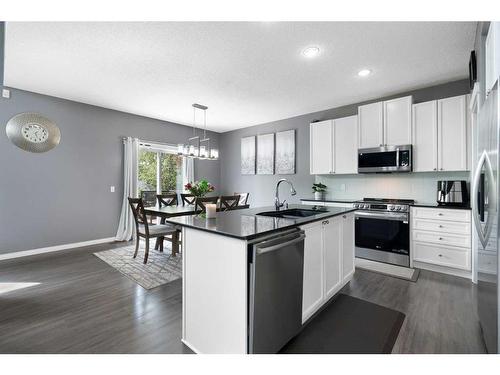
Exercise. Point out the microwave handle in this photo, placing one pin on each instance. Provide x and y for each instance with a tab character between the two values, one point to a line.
397	157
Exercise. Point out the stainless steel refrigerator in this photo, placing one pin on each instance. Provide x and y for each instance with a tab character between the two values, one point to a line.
485	195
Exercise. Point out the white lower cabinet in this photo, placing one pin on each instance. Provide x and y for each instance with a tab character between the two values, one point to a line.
441	238
328	260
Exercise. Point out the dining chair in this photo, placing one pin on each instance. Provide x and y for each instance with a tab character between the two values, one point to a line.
200	203
243	198
144	230
229	202
149	200
168	199
188	199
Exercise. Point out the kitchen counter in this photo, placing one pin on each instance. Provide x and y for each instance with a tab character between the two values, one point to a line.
435	205
330	200
245	224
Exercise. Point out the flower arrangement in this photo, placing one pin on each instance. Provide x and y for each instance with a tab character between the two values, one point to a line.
199	188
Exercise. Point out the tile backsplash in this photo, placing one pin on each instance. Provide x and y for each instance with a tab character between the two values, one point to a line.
418	186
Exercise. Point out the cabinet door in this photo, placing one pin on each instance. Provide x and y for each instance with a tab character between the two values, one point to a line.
347	246
332	244
452	134
345	147
370	125
425	143
397	121
321	138
312	295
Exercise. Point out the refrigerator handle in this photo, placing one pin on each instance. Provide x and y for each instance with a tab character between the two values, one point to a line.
477	211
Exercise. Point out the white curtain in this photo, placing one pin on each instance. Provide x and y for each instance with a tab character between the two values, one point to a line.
188	171
126	226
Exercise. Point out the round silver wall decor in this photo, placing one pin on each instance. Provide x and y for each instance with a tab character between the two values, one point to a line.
32	132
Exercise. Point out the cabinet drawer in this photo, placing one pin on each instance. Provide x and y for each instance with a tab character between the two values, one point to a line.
441	226
442	255
441	238
441	214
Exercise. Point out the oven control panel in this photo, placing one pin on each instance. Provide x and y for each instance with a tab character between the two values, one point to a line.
381	207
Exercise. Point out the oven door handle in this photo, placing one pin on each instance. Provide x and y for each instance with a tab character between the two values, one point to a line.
397	216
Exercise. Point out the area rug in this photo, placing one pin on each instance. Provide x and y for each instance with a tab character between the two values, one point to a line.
160	269
348	325
405	273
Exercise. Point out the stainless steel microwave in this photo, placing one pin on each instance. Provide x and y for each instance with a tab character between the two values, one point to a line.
385	159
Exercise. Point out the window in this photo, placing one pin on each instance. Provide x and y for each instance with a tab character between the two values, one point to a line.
160	170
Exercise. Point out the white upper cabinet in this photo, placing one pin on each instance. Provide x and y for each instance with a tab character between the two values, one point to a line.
345	145
397	121
425	132
334	146
452	133
321	139
385	123
492	56
371	125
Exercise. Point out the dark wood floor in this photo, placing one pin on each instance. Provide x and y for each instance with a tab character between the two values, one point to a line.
84	306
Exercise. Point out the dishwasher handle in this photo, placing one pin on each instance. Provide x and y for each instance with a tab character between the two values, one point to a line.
266	249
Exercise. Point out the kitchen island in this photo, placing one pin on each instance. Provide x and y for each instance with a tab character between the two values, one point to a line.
217	276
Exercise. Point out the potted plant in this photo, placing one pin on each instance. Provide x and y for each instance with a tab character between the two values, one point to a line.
319	191
199	188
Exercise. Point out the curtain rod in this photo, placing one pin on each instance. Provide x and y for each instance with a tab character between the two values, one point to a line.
154	142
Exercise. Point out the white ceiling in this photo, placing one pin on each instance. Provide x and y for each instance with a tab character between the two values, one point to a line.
246	73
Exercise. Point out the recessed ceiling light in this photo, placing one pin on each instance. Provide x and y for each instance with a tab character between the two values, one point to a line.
364	72
311	52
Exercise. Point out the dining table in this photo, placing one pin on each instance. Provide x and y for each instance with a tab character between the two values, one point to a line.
166	212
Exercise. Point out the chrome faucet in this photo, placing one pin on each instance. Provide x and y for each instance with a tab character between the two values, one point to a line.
277	202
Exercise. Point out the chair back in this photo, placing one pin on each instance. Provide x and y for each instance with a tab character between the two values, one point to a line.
188	199
169	199
137	206
229	202
148	198
200	203
243	198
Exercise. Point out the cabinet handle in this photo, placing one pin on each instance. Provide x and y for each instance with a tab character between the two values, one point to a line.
344	216
435	169
325	222
381	145
440	214
440	255
440	238
440	226
441	169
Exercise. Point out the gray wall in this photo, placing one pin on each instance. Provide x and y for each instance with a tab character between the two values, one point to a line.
261	187
63	196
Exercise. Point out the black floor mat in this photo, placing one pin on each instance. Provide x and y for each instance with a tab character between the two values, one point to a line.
348	325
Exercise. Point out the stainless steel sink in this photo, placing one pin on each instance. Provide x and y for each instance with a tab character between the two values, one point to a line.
291	213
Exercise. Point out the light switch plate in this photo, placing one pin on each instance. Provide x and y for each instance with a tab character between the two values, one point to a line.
112	189
5	93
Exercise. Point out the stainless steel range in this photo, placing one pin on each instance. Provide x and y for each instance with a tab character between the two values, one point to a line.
382	230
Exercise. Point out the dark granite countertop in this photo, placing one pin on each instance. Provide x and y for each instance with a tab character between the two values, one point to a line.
245	224
435	205
330	200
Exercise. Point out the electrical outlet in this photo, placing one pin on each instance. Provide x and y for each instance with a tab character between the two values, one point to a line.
6	93
112	189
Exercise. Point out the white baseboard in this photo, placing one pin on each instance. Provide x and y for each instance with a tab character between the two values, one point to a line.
50	249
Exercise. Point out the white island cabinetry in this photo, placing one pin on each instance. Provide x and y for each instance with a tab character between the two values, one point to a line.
328	260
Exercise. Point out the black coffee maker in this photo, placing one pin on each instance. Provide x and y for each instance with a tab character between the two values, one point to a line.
452	193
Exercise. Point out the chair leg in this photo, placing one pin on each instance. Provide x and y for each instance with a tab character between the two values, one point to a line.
175	243
157	244
147	251
161	243
136	246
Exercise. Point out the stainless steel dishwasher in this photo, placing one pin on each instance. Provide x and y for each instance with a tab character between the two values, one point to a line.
275	290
